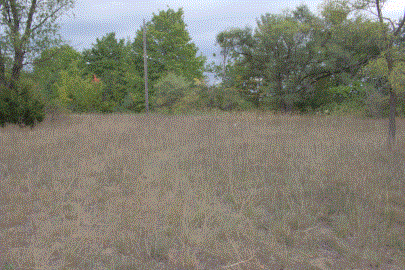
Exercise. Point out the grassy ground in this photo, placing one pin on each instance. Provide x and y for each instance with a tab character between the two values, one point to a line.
222	191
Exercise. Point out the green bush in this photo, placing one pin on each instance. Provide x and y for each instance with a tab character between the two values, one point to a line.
53	109
80	95
400	105
377	104
76	92
169	90
133	102
227	99
188	103
279	103
19	106
345	108
108	106
195	99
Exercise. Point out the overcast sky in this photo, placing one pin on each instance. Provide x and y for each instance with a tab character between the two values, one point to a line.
91	19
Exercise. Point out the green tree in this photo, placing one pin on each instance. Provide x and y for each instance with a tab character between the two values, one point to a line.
76	92
109	60
390	64
342	45
237	72
28	27
348	46
169	90
230	41
271	64
335	11
50	64
282	52
169	47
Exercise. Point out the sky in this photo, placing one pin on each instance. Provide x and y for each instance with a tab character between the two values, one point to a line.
92	19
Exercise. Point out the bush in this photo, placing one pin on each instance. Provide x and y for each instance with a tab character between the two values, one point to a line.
377	105
53	107
133	102
108	106
169	90
19	106
344	108
195	99
188	103
78	94
227	99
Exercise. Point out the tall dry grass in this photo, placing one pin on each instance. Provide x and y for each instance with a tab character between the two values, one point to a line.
219	191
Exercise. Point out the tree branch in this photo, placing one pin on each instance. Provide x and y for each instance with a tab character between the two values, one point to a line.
27	31
401	24
46	18
327	73
391	22
326	39
7	15
16	20
43	60
2	69
379	11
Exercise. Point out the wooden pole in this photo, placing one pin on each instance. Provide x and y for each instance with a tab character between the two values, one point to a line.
145	66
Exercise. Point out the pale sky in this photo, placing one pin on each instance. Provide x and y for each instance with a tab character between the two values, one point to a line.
91	19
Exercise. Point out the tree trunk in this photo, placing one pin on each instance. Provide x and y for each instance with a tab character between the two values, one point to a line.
17	67
392	127
224	65
289	107
2	71
145	67
392	124
281	93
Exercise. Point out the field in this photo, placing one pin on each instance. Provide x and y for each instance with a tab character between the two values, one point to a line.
214	191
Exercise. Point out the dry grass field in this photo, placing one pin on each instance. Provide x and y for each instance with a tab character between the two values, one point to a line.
218	191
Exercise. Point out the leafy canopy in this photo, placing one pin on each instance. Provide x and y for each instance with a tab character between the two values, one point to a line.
169	47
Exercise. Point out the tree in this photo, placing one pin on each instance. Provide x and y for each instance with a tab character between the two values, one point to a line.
342	46
282	51
107	60
77	92
237	74
392	61
276	55
229	40
233	44
50	64
284	59
29	27
106	55
299	57
169	90
335	11
169	47
395	69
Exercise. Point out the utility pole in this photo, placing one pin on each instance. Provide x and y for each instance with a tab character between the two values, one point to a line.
145	67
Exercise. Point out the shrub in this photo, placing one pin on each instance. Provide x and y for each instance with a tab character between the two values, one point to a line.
377	105
108	106
132	102
169	90
19	106
78	94
188	103
227	99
